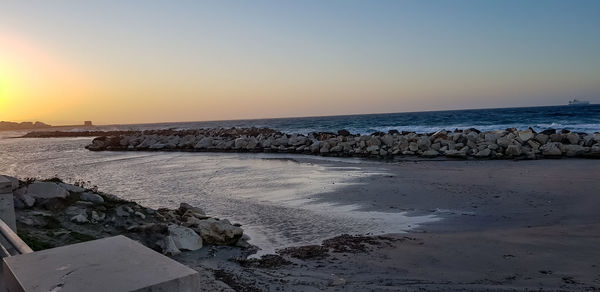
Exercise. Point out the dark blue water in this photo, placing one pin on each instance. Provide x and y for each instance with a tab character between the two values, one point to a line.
574	118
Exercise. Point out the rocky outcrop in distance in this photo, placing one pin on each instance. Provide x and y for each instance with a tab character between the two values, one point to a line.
11	126
51	213
469	143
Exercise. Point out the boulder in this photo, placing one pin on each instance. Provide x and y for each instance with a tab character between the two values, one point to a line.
168	246
91	197
185	238
573	138
525	135
374	149
505	141
441	134
542	138
240	143
535	145
483	153
387	139
424	143
413	147
556	137
551	149
473	136
204	143
513	150
46	190
184	207
324	149
374	141
297	140
574	150
218	232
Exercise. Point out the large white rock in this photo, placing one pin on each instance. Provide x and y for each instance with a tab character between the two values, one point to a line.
220	232
185	238
46	190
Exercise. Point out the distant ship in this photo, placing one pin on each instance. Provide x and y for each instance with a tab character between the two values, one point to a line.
577	102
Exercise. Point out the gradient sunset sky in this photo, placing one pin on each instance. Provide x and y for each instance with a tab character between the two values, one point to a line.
63	62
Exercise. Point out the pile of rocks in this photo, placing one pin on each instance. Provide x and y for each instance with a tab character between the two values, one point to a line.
469	143
52	213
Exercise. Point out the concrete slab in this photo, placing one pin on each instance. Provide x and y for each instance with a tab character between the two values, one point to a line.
110	264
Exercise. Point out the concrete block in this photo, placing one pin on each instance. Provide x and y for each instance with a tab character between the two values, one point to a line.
5	185
110	264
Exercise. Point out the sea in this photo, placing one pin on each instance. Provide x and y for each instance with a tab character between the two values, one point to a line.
585	119
278	198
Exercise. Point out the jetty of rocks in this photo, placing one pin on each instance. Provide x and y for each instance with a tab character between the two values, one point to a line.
468	143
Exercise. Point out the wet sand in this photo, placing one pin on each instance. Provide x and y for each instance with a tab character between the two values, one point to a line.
507	225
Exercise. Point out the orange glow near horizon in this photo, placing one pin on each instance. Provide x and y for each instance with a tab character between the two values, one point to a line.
35	84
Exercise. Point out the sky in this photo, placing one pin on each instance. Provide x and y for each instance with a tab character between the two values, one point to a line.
63	62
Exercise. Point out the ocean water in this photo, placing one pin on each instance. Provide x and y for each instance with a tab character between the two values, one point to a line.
575	118
275	197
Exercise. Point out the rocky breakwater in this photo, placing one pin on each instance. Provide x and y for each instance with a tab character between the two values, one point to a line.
52	213
469	143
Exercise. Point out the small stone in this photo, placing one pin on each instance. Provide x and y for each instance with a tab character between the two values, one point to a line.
28	200
98	216
80	219
139	214
121	211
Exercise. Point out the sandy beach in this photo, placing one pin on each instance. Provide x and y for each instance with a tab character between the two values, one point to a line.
507	225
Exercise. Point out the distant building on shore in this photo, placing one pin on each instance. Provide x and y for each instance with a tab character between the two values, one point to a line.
87	124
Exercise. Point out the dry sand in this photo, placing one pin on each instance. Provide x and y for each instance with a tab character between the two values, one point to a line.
508	225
